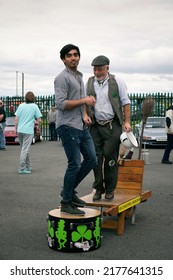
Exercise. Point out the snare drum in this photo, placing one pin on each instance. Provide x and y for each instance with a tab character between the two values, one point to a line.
73	233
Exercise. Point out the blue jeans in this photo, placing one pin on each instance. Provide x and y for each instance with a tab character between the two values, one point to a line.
75	143
2	136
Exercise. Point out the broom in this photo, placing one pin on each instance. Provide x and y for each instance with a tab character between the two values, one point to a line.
147	108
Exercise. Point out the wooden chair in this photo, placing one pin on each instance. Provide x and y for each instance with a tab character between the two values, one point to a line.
128	194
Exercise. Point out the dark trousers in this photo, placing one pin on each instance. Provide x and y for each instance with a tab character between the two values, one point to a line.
52	131
168	148
107	142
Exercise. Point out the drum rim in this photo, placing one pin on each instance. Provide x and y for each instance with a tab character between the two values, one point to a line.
89	213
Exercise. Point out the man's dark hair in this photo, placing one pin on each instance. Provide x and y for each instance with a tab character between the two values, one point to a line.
67	48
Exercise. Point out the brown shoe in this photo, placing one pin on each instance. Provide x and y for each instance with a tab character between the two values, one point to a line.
109	195
98	195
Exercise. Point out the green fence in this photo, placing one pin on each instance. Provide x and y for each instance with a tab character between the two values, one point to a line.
161	102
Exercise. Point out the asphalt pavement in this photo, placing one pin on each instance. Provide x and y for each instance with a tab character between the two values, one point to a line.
25	201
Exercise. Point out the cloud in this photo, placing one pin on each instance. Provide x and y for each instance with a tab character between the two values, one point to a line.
135	35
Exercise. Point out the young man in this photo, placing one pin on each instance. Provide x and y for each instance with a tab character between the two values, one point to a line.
111	111
70	100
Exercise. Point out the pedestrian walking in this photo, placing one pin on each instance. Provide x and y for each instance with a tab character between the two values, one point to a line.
169	131
2	126
27	113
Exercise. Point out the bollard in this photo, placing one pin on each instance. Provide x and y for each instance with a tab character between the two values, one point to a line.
146	157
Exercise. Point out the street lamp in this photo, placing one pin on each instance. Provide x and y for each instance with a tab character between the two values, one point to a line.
22	84
17	83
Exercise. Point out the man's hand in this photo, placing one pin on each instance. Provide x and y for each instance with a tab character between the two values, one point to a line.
127	127
90	100
87	119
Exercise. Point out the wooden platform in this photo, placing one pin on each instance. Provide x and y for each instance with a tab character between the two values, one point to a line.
128	194
89	213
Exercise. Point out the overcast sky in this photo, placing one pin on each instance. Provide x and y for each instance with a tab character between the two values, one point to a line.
136	35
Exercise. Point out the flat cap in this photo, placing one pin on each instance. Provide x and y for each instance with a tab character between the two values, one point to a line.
100	60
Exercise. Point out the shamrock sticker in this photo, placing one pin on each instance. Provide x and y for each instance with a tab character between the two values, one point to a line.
81	233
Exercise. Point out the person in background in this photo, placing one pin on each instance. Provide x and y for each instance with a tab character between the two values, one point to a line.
2	126
27	113
106	118
76	140
51	118
169	131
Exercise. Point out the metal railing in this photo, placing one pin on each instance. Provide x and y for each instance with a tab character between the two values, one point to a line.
161	102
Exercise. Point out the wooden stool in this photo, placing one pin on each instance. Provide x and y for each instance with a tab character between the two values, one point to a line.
73	233
128	194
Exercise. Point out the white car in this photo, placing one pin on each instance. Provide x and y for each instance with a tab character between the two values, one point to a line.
154	132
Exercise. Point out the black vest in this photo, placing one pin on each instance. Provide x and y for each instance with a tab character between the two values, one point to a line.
113	94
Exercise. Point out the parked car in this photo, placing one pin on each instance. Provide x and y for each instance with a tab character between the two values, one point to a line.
11	135
154	132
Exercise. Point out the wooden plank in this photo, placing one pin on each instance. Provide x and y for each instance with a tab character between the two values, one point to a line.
129	185
111	211
122	207
130	170
119	198
129	191
109	224
146	195
121	223
130	177
137	162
